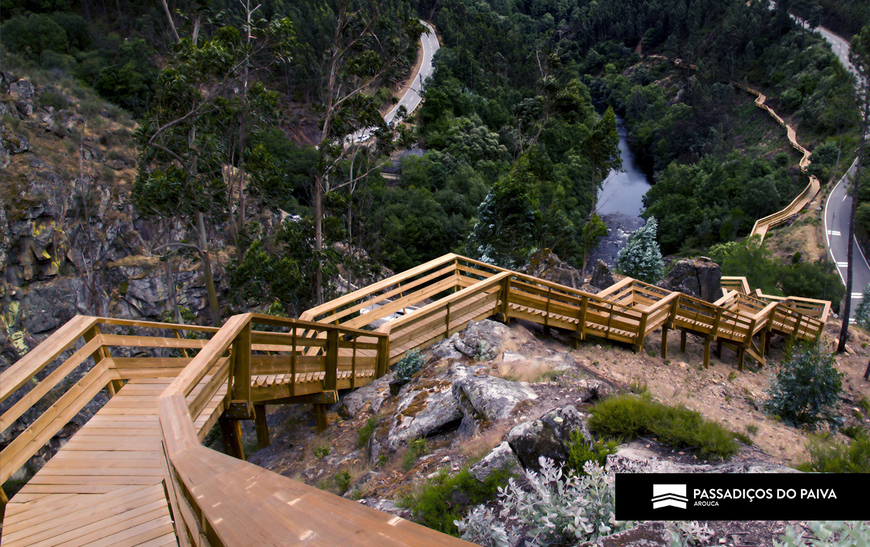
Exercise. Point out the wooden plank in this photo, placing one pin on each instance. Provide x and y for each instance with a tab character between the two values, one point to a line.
376	287
39	357
51	421
50	381
118	340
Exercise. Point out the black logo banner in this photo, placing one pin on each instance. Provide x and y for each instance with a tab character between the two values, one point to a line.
742	496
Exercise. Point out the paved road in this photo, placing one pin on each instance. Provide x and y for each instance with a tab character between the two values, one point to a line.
838	208
414	96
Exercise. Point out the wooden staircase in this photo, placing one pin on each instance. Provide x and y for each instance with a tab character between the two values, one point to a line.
137	474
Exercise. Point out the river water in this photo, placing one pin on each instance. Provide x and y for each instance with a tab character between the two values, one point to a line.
622	191
620	202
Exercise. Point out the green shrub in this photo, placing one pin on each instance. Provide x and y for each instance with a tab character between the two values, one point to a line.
628	416
641	257
409	365
552	508
321	451
830	457
365	432
445	498
416	449
579	452
806	389
827	534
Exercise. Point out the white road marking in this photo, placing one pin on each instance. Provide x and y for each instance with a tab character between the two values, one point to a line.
842	264
834	233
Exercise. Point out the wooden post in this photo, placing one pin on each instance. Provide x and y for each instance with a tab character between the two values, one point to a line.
707	352
741	354
719	348
505	300
766	343
383	355
293	363
331	374
447	322
320	419
261	427
353	365
241	389
664	341
231	435
683	341
547	311
581	320
641	333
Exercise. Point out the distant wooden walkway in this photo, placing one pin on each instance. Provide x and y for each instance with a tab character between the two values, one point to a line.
137	474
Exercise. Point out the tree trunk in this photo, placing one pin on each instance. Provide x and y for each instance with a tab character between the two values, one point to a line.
844	329
206	270
318	239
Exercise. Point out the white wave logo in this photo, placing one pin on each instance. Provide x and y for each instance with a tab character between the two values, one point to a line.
669	495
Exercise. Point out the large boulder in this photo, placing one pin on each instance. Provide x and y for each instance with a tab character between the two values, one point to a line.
427	407
488	398
500	458
373	395
544	264
699	277
602	277
548	436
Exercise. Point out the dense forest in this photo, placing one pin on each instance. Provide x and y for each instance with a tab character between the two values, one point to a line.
518	123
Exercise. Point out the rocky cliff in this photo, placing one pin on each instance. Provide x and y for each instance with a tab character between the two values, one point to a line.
71	241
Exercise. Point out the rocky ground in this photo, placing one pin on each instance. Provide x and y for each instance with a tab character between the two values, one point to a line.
529	389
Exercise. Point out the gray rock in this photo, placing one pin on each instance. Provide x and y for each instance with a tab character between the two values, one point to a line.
602	277
24	108
545	264
355	401
547	436
500	457
492	399
21	90
699	277
446	349
634	457
593	389
645	534
386	506
428	408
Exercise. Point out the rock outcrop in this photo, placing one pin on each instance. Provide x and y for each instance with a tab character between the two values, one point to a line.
544	264
699	277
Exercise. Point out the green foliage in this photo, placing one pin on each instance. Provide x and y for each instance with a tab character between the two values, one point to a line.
807	388
409	365
628	416
827	534
365	432
580	452
415	450
505	231
321	451
445	499
749	258
281	267
552	508
830	456
641	257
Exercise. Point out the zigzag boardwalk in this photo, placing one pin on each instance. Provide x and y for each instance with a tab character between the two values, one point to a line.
137	474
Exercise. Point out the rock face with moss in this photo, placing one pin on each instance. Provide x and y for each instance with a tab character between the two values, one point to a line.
699	277
71	241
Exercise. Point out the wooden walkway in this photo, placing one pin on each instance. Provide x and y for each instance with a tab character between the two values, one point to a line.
137	474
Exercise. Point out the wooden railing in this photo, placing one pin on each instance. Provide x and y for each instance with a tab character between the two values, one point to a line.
733	283
102	371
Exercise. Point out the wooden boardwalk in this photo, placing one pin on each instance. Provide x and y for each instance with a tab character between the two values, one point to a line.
137	474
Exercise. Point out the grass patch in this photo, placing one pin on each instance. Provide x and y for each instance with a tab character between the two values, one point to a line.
446	498
416	449
629	416
579	452
365	432
827	456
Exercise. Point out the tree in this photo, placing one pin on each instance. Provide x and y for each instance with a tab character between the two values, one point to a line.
369	40
859	56
602	150
641	257
505	231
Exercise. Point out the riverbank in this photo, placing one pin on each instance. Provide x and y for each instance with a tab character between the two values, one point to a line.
619	227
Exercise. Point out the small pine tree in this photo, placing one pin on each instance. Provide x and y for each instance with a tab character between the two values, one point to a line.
862	312
641	258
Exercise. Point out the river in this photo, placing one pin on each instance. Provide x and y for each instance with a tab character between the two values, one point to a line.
622	191
620	201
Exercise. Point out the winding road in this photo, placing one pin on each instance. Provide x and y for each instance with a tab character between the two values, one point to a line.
414	94
838	208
